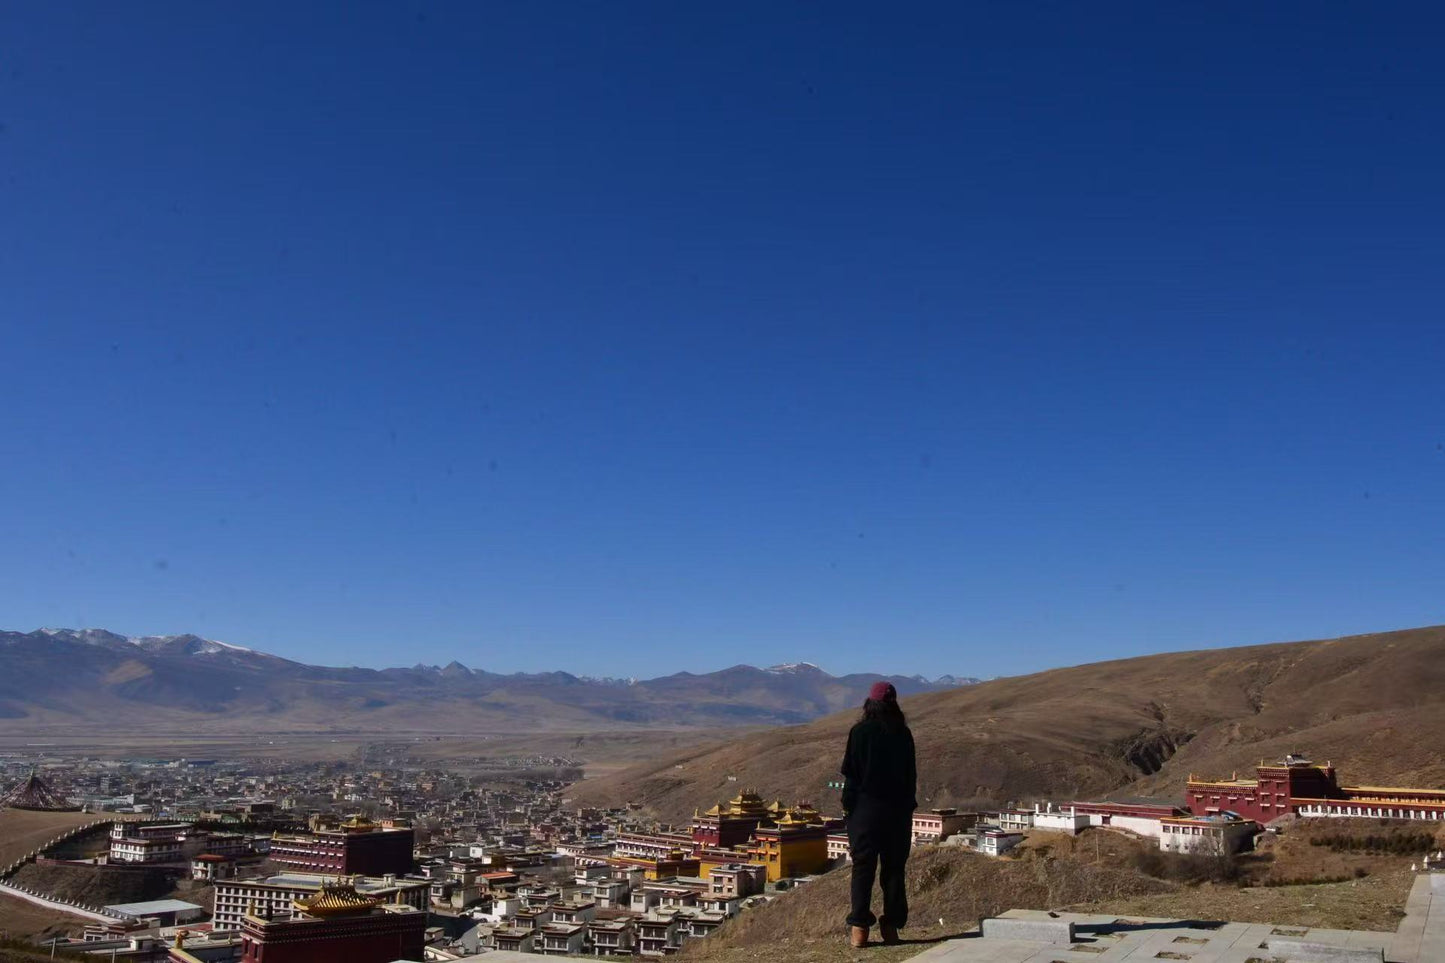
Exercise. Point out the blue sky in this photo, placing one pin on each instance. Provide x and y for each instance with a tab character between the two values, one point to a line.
631	338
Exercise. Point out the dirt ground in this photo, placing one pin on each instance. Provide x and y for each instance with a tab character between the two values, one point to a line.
950	890
21	831
20	920
1375	903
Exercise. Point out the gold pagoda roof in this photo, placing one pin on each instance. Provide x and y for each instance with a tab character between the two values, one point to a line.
337	899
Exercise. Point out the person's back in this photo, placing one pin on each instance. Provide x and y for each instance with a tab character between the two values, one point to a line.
880	784
879	766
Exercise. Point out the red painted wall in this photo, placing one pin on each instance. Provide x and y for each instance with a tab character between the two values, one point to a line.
375	938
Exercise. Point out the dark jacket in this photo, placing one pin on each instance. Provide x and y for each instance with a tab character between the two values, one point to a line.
878	767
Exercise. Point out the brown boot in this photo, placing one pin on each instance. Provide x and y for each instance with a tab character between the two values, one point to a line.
858	937
888	933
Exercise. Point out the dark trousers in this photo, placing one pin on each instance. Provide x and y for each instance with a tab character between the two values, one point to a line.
879	838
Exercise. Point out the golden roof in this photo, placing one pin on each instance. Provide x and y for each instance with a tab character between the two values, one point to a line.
337	899
358	822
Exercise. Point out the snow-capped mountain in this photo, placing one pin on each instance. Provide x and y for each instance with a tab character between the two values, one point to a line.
57	676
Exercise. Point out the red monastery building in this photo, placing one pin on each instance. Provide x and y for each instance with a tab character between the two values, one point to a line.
356	847
337	925
733	823
1298	786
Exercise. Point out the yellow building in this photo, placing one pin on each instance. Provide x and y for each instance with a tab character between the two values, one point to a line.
797	845
710	858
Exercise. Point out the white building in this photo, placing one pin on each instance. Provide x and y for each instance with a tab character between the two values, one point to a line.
1337	809
611	937
1206	835
560	939
1014	820
146	842
513	938
165	912
936	825
658	934
996	842
1060	820
276	894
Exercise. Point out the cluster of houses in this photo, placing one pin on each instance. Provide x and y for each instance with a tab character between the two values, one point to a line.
457	868
1177	830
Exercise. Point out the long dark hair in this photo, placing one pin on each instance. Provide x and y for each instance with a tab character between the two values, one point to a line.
886	712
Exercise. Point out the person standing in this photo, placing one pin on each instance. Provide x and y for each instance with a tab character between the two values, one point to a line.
880	785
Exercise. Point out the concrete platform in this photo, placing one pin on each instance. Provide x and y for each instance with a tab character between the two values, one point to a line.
1111	939
1421	936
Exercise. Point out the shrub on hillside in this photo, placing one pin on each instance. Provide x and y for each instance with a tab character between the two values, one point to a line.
1188	867
1394	844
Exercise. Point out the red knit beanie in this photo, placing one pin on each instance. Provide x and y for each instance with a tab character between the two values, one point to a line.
882	690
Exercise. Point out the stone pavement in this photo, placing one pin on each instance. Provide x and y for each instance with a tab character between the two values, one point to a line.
1421	936
1111	939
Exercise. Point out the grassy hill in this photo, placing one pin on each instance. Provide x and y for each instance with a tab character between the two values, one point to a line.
945	884
1374	704
22	830
1100	871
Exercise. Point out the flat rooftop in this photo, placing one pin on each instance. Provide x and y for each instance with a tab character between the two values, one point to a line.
315	880
152	907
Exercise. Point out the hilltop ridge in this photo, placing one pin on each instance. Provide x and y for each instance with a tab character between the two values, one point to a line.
1125	727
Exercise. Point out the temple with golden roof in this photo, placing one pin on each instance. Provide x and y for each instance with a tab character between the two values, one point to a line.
789	841
336	899
732	823
336	924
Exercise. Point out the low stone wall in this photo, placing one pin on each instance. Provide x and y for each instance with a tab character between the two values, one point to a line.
87	864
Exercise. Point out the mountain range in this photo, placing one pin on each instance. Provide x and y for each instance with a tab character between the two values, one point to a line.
1374	705
78	678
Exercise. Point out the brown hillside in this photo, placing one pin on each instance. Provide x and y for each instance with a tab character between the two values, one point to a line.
24	921
945	883
23	830
95	886
1100	871
1374	704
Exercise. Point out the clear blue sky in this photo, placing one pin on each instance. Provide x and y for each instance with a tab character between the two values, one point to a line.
636	337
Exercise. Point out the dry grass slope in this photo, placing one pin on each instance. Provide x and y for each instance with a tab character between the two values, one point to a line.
22	830
1131	726
1097	872
24	921
956	886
